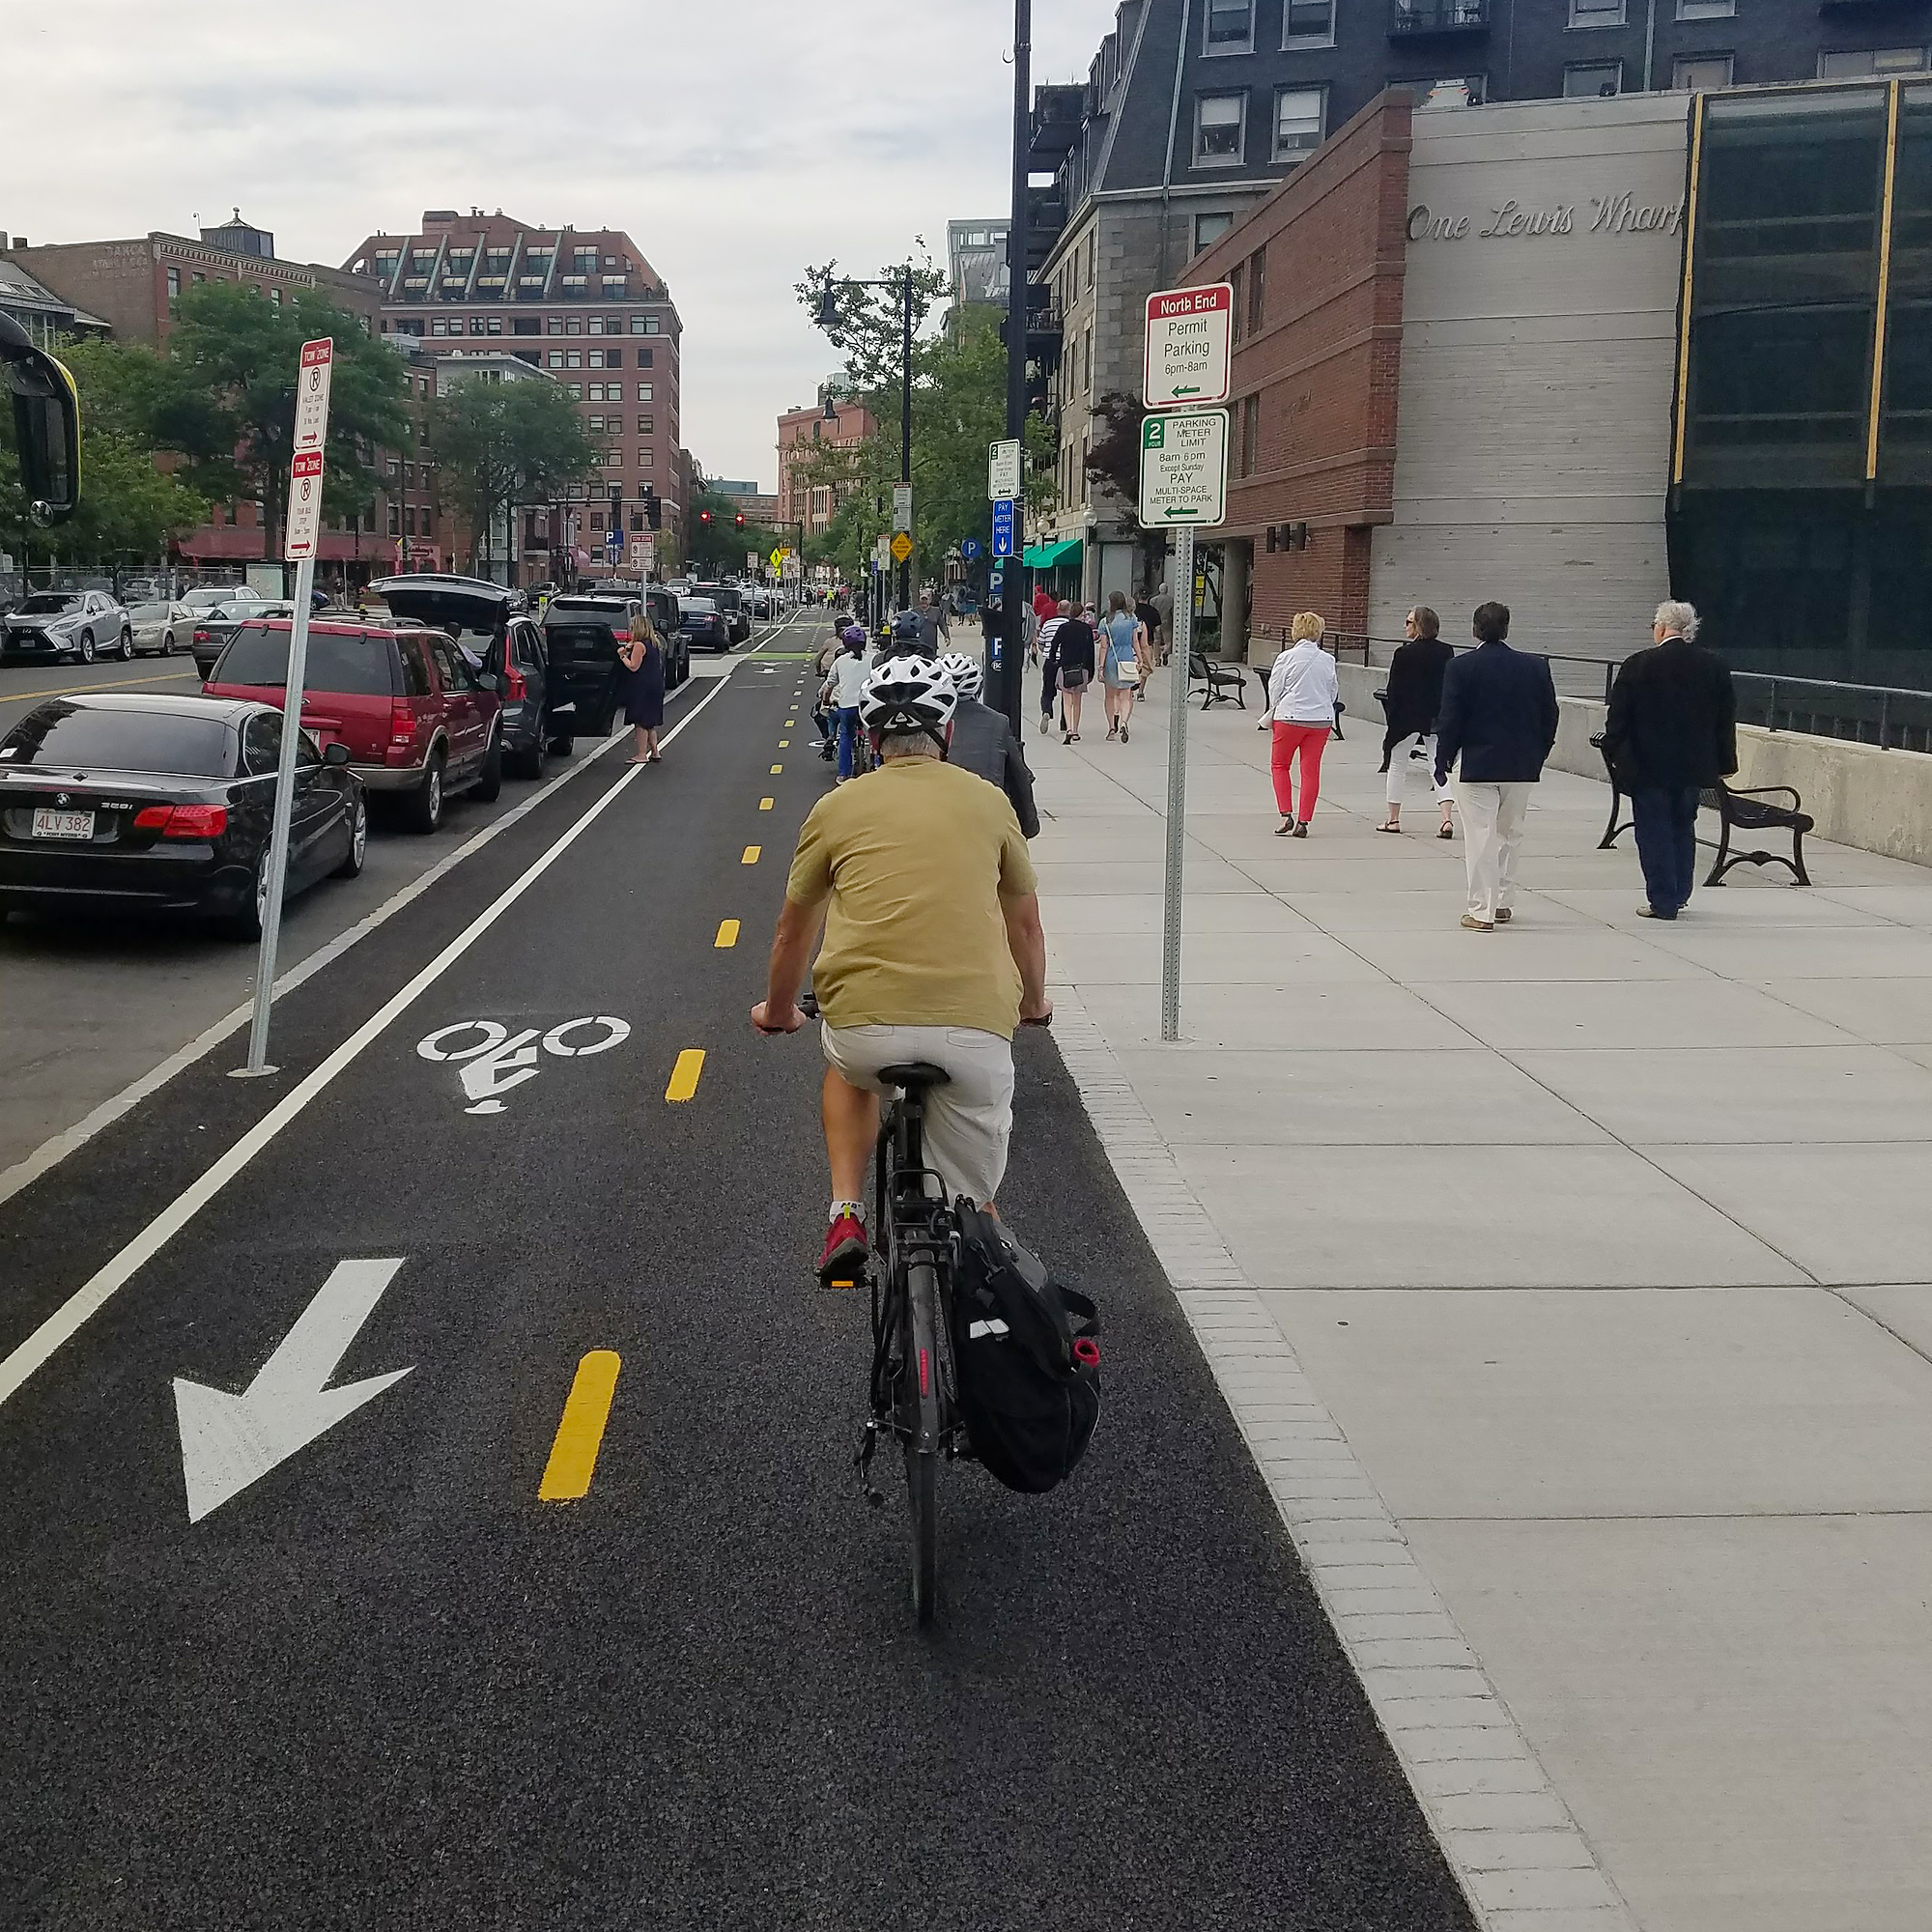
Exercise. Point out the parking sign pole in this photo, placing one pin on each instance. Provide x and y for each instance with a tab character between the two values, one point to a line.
278	838
303	538
1176	781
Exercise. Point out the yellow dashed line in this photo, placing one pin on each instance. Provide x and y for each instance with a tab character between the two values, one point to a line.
784	744
727	934
684	1075
764	805
579	1435
750	856
775	769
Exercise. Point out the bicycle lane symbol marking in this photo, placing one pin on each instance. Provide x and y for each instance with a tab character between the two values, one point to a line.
496	1060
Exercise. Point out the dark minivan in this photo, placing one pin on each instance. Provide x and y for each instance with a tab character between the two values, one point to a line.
585	630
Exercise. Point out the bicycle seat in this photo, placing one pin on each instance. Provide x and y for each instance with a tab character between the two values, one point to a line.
915	1075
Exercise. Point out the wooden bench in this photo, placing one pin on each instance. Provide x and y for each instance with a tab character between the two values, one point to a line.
1738	810
1219	679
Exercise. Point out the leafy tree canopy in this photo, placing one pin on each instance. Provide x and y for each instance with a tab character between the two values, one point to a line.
501	444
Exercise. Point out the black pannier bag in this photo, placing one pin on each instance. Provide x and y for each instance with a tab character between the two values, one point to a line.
1027	1360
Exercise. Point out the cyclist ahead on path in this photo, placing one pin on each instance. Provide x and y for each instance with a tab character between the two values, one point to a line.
933	949
984	742
844	687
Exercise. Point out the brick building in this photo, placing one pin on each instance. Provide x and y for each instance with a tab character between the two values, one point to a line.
133	286
834	419
584	306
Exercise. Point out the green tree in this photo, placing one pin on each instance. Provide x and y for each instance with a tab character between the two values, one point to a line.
959	405
719	548
224	397
500	443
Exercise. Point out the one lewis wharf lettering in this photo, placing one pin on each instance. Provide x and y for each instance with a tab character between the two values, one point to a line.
1620	214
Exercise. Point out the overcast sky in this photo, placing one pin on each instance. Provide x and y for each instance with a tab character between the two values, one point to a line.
736	140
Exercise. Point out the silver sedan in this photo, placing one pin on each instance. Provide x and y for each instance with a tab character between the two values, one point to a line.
164	625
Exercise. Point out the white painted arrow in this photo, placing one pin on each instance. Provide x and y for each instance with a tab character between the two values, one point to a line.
229	1441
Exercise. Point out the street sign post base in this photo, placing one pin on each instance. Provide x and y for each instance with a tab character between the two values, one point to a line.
251	1072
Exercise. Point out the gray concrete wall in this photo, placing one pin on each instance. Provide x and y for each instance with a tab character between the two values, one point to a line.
1533	416
1876	800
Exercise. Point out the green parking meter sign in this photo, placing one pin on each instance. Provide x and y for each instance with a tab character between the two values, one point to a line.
1183	469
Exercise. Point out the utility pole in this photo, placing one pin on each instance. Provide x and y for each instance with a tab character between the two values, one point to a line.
905	425
1013	627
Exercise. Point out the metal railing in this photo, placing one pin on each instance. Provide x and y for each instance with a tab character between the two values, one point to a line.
1889	716
1437	16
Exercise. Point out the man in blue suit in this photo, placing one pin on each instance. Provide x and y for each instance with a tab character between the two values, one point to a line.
1499	716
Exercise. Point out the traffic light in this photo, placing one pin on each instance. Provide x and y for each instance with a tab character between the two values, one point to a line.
704	517
739	520
653	509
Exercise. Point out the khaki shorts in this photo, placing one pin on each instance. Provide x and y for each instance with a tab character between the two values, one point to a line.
969	1120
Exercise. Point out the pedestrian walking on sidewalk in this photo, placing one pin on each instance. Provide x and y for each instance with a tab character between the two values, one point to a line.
643	690
1303	689
1672	733
1120	664
1162	601
1049	662
1498	717
1074	656
1412	701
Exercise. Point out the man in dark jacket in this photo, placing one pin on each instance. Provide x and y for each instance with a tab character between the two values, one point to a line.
984	742
1498	717
1672	733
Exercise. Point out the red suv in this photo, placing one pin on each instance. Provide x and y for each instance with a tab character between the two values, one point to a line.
417	721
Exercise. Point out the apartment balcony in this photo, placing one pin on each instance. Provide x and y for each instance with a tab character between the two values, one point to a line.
1437	19
1047	217
1056	115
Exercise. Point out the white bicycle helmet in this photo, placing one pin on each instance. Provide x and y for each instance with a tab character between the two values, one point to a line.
908	694
968	680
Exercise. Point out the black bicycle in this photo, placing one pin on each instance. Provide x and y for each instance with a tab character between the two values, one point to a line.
914	1389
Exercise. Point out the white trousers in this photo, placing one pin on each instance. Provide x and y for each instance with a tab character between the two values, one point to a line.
1492	816
1402	759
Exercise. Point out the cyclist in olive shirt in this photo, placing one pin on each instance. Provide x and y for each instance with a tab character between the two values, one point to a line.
933	949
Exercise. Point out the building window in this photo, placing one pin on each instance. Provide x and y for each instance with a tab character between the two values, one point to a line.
495	324
1300	115
1251	435
1231	26
1087	358
554	325
595	358
1308	23
1220	129
1458	90
554	359
597	520
643	459
1700	73
596	325
645	394
174	284
572	327
1587	80
1209	228
636	325
643	358
1856	65
1706	9
576	391
395	520
1257	268
476	324
596	422
613	358
1237	277
648	425
438	325
274	297
1596	13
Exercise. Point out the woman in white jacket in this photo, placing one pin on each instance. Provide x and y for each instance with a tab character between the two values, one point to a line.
1303	689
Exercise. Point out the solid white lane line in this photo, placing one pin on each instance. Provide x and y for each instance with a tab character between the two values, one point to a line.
58	1147
66	1320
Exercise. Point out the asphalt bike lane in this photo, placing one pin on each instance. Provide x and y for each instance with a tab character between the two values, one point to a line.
528	1576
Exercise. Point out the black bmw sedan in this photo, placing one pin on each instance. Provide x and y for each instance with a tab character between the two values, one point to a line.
124	802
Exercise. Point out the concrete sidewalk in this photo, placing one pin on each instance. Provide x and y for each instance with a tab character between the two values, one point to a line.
1584	1262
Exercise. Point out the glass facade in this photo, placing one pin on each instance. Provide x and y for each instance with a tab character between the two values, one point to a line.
1801	508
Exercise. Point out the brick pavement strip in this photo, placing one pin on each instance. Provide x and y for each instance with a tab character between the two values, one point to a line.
1510	1839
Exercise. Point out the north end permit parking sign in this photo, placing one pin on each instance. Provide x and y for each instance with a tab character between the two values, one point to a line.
1188	345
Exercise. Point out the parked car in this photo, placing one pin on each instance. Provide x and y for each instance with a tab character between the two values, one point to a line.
585	631
704	626
57	624
491	624
215	624
728	599
126	801
209	596
161	625
417	721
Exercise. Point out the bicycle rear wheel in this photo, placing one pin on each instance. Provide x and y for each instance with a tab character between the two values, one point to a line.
921	1419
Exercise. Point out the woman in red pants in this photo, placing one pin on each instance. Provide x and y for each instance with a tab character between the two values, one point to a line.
1302	689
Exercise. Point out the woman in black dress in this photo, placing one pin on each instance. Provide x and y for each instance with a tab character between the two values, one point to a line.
643	690
1413	696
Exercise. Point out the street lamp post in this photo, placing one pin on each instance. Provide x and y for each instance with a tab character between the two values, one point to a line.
828	319
1012	622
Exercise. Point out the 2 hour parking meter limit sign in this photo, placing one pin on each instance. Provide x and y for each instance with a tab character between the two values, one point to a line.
1184	468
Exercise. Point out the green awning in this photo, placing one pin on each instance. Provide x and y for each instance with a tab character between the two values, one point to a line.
1050	556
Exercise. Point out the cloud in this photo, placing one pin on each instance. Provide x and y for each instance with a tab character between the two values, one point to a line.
734	141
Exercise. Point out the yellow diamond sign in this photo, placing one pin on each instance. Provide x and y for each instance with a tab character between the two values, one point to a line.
901	548
778	560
